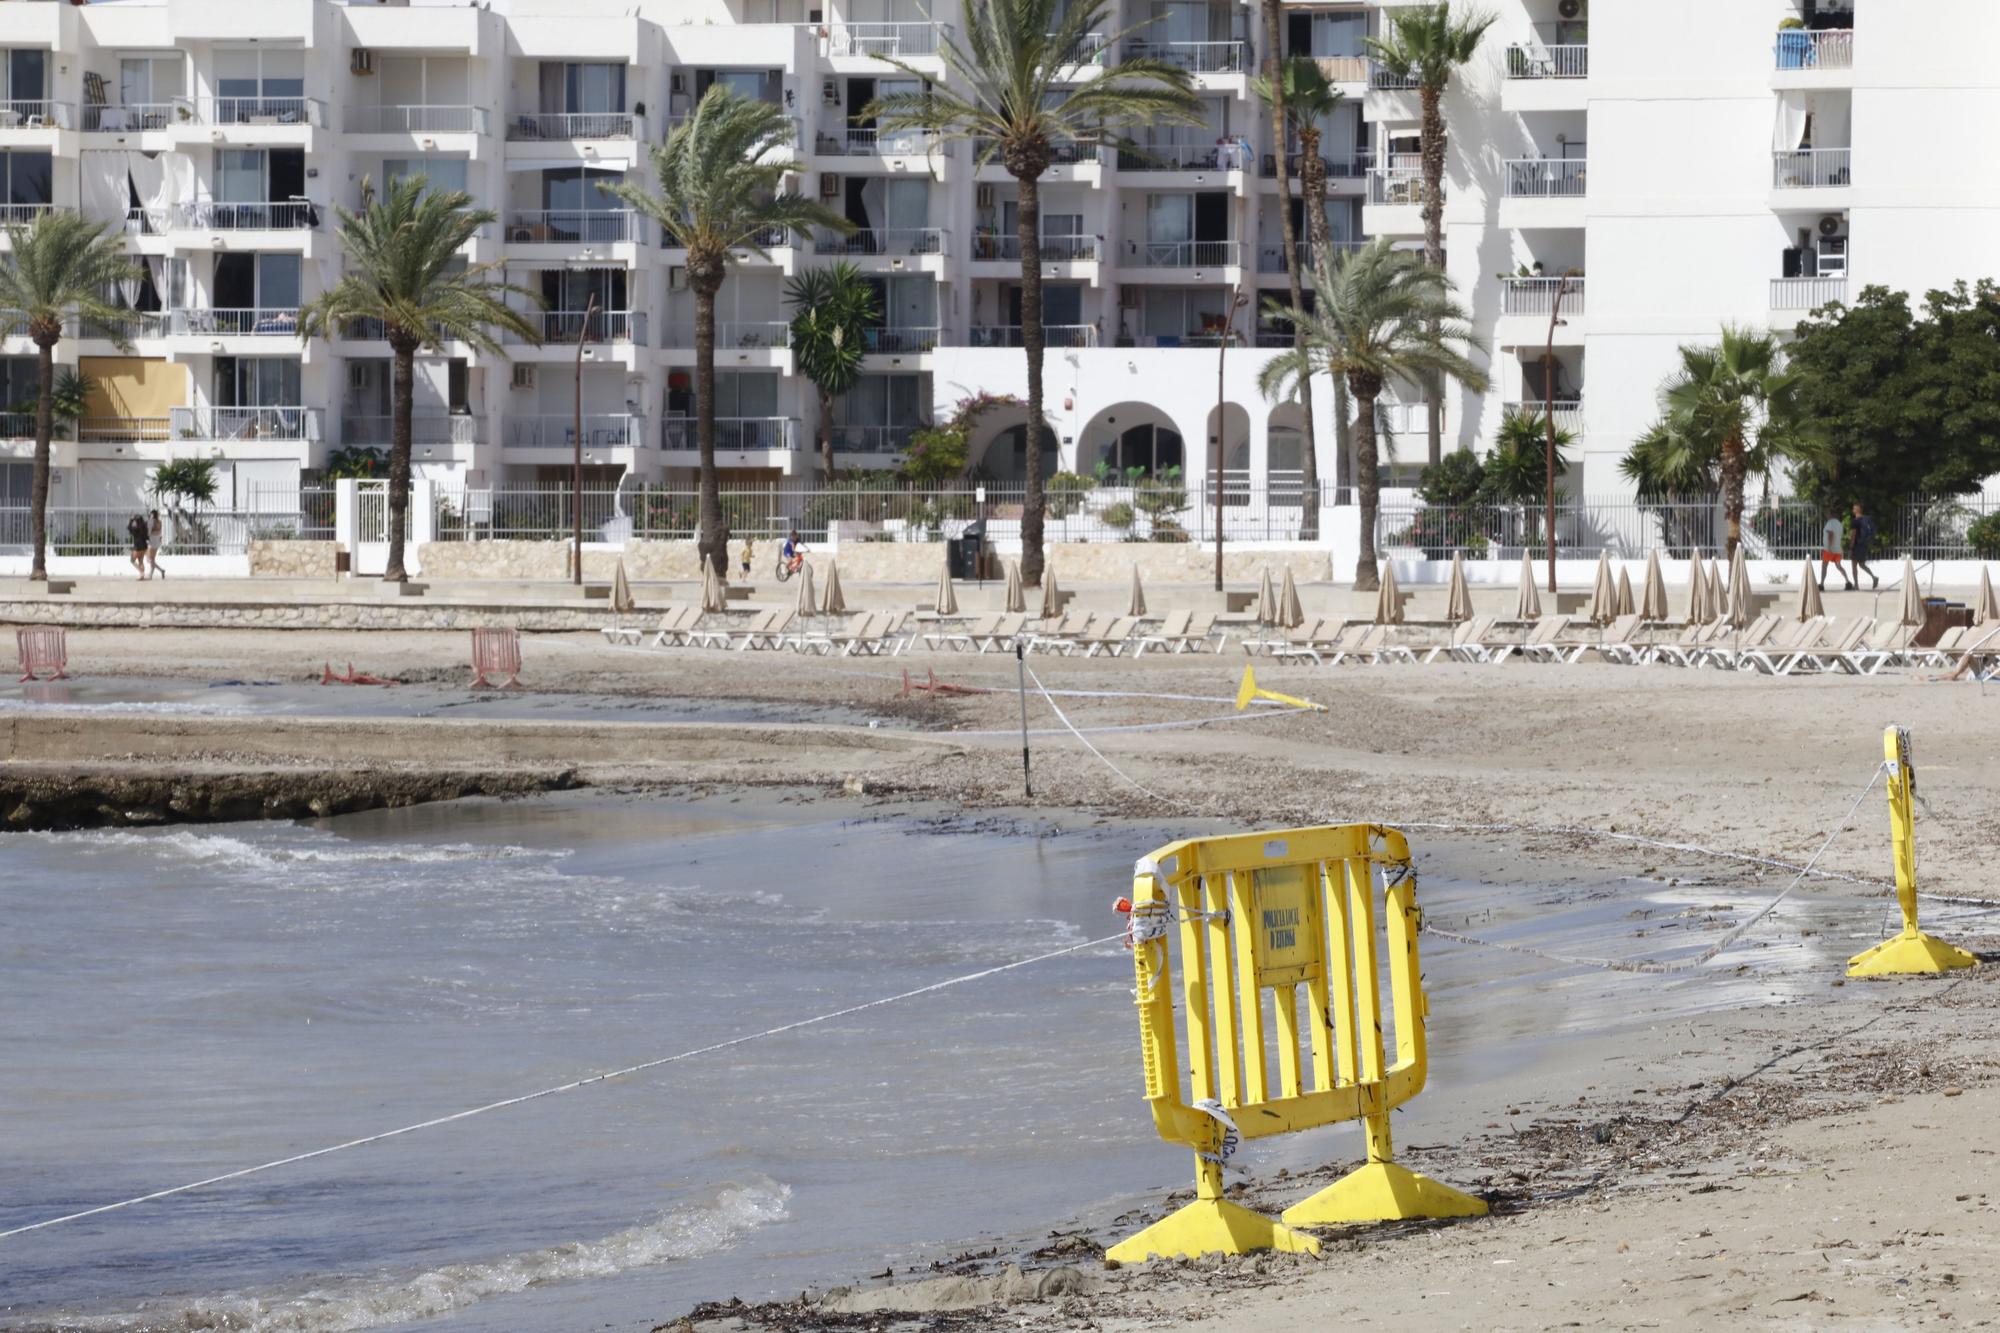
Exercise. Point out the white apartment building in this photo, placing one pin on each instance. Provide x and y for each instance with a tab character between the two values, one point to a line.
1732	170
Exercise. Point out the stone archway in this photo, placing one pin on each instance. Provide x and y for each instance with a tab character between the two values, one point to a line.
1128	435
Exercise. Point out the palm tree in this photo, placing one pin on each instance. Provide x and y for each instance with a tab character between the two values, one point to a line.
833	310
1379	314
59	271
405	274
1276	88
719	176
1014	95
1308	99
1730	410
1426	45
1517	471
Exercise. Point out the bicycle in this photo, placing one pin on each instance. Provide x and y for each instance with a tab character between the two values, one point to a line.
787	568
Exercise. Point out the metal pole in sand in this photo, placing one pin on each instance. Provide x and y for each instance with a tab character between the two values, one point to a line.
1021	673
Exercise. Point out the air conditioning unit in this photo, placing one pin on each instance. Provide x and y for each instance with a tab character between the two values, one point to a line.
524	376
362	61
829	92
984	195
1570	9
1832	225
829	185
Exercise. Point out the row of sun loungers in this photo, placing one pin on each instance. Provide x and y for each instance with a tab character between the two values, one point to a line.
871	632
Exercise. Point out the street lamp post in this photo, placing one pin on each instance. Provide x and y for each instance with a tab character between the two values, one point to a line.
1549	423
576	453
1237	300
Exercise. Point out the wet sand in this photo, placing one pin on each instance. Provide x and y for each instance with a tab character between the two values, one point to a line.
1820	1156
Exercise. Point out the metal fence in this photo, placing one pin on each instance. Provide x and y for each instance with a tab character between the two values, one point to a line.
305	514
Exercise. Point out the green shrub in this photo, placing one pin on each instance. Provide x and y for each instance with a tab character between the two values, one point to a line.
1065	491
1455	479
1118	515
1983	534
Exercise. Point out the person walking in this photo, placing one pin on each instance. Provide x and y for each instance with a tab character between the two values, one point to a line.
156	537
1832	538
1864	542
748	554
136	530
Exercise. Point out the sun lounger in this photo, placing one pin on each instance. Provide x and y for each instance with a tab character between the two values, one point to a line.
675	626
965	634
636	634
1202	631
1948	646
1723	650
1395	645
1063	634
769	634
1164	634
1109	636
897	634
1308	641
1544	631
1570	643
824	641
1465	638
1357	643
1010	628
1830	651
722	636
1775	656
1618	638
1688	648
1893	644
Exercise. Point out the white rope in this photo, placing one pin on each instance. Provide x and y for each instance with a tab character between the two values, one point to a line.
563	1087
1133	726
1127	777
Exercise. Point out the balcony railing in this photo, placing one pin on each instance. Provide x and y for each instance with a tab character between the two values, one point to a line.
123	430
1190	254
23	214
1353	166
1536	296
526	126
1231	156
893	241
1053	335
1395	418
850	142
425	428
873	439
1381	77
1806	293
1395	185
1545	177
417	119
1066	153
37	116
903	341
1568	413
273	322
1829	48
607	431
245	423
567	326
576	226
131	327
1811	168
131	117
896	40
1525	61
732	434
260	111
742	335
214	215
1054	249
1194	57
1089	51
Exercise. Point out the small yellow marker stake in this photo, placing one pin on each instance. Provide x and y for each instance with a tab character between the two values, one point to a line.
1912	951
1248	690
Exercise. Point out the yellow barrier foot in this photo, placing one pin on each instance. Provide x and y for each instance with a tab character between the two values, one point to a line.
1210	1226
1911	953
1382	1192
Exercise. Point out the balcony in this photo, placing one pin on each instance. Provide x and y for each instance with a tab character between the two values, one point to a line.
237	323
1535	61
566	327
1053	335
1568	413
130	327
1384	79
1829	48
1190	254
1067	153
851	142
1807	293
991	248
896	41
600	431
732	434
881	440
24	215
531	126
259	111
1089	51
412	119
213	215
136	117
121	430
1353	167
37	116
426	428
1544	177
1393	418
1395	185
1537	296
912	340
1811	168
743	335
602	226
890	242
1194	57
1233	156
245	423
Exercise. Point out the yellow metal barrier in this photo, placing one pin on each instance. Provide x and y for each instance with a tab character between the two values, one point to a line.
1291	915
1911	951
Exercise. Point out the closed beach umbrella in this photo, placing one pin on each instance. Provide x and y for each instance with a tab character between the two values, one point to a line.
1529	605
1017	601
1626	606
1290	614
1458	600
1718	591
621	591
1697	591
1389	605
1809	602
1739	590
1267	600
1913	596
835	604
1137	606
1654	606
1988	610
947	600
1603	594
808	599
1051	597
713	596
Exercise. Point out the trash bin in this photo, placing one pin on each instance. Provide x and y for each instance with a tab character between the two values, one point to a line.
966	550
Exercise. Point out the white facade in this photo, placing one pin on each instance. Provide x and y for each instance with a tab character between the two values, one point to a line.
1638	151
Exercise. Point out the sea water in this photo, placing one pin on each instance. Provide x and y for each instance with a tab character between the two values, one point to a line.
177	1003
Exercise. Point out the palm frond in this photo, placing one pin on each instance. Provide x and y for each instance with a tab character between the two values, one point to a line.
61	268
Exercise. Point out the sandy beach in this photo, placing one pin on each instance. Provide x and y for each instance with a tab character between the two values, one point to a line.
1790	1162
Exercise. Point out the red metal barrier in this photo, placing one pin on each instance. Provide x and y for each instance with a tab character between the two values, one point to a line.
496	652
42	648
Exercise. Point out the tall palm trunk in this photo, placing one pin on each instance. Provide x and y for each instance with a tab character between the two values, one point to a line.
825	437
1309	452
45	421
1366	388
1027	170
402	403
1735	471
1312	185
712	543
1432	144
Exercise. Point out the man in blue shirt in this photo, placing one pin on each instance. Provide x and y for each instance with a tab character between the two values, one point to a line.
1864	539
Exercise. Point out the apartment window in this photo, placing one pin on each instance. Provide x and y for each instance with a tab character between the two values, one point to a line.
258	81
17	481
257	381
25	76
259	175
743	393
1150	447
576	89
890	402
441	174
577	189
28	178
1326	36
570	290
1062	304
151	80
759	85
423	81
1169	316
906	302
256	282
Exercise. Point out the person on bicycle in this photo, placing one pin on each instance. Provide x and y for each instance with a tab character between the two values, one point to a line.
794	552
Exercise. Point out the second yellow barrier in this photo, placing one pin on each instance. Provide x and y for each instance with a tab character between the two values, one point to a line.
1280	985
